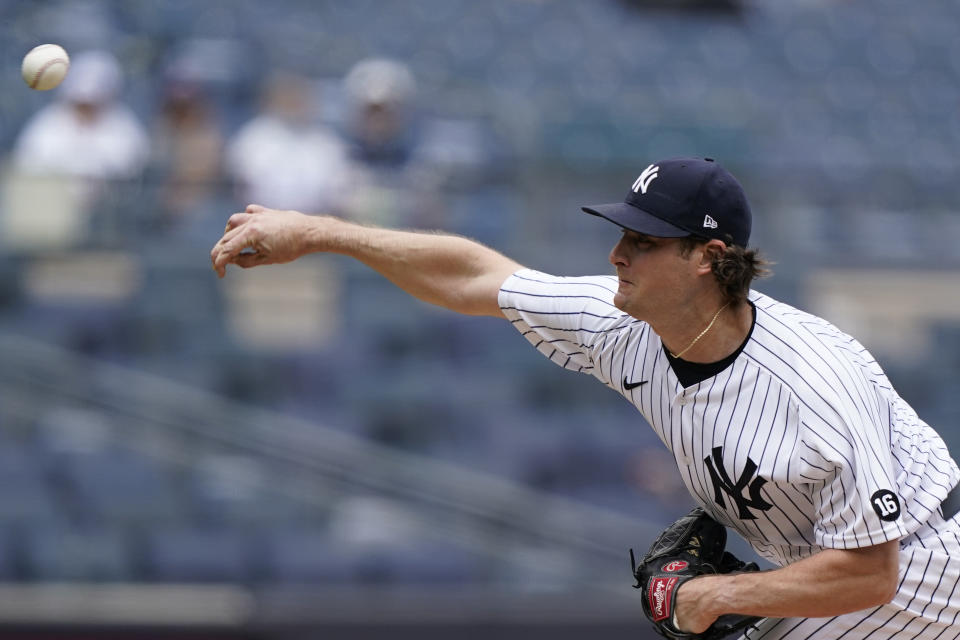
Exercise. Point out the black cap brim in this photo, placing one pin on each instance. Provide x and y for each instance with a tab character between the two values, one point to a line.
634	219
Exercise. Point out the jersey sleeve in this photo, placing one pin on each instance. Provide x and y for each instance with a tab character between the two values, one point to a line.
856	499
564	318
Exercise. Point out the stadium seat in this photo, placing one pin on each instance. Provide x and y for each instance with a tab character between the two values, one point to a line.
425	563
120	486
187	554
301	556
65	553
26	495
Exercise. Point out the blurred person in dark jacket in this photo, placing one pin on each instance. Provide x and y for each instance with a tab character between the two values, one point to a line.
187	159
404	163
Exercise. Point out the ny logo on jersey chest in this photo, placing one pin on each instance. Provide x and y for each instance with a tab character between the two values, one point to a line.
735	490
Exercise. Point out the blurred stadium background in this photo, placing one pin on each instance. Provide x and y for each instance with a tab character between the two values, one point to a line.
302	450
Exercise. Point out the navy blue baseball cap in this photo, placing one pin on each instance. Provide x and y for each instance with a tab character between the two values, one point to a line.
683	197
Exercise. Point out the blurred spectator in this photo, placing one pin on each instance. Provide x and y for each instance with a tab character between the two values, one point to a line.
87	133
380	94
67	155
403	163
381	128
188	148
283	157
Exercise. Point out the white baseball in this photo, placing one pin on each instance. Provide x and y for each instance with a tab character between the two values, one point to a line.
45	66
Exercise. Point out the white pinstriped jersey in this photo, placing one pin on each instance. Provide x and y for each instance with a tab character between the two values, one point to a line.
800	444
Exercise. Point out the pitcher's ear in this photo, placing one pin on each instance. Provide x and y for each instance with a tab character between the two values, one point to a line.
712	250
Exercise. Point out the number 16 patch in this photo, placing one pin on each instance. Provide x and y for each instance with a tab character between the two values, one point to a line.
886	504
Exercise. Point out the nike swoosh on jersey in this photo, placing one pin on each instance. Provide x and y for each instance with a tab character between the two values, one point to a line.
632	385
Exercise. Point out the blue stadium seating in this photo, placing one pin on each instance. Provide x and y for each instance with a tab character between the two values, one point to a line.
849	112
65	553
206	555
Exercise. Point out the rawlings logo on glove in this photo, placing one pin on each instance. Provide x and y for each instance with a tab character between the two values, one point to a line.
661	593
690	547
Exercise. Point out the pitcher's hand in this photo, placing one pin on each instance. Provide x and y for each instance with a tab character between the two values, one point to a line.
261	236
690	614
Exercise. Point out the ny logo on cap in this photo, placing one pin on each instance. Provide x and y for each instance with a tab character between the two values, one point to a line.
648	176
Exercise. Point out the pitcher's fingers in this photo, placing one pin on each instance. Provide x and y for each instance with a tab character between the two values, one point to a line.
255	208
243	260
235	221
217	250
228	249
247	260
230	234
219	261
218	256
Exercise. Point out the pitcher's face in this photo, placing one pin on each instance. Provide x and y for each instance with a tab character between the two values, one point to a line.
652	273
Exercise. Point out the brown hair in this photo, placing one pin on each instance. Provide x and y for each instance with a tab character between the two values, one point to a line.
734	269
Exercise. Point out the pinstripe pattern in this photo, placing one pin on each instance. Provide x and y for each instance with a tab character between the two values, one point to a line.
927	604
808	408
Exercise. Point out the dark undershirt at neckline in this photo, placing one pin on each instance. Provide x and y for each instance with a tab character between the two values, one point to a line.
690	373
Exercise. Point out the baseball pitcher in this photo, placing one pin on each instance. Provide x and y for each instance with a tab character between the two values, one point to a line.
784	428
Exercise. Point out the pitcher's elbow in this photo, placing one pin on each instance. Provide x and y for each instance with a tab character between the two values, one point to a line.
885	583
890	592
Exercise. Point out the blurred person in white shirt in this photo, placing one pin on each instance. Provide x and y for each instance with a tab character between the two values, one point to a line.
285	154
87	132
